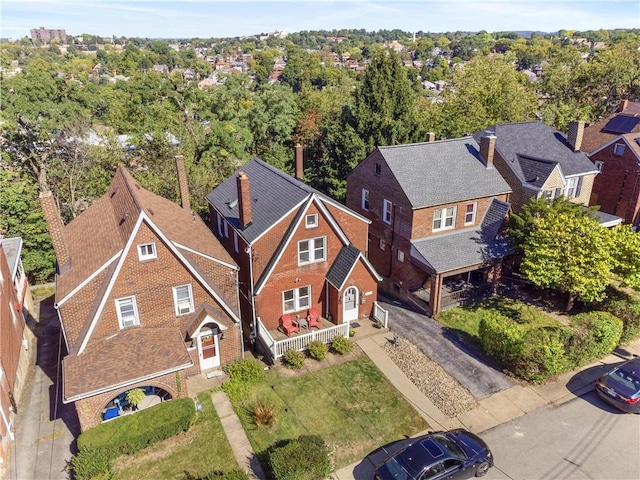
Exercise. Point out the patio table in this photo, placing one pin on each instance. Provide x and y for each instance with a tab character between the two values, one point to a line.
302	323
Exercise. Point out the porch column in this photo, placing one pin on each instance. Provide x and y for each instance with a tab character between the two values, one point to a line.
494	276
435	294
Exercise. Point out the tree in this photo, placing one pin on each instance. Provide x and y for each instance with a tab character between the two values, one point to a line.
569	253
626	253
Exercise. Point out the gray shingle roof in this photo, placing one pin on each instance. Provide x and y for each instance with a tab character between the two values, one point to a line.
535	170
471	246
535	140
442	172
274	194
342	266
12	248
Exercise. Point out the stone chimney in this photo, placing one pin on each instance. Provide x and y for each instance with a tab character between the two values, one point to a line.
299	163
244	199
574	137
623	105
431	137
488	148
55	227
182	183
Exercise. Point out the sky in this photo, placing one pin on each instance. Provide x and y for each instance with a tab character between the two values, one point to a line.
232	18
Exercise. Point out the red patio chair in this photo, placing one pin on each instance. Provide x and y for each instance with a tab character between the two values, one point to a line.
313	318
288	325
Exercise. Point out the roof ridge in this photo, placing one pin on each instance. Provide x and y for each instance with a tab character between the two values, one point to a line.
126	175
285	176
537	159
457	139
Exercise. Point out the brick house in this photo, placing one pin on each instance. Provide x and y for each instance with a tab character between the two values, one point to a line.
537	161
146	297
614	147
436	210
296	248
15	339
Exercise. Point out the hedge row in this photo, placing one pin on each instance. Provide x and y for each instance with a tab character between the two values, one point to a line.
538	353
304	458
129	434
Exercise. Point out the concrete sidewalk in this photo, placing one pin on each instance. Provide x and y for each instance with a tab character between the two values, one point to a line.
497	409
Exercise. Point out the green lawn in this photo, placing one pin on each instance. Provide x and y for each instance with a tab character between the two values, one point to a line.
200	450
466	319
351	405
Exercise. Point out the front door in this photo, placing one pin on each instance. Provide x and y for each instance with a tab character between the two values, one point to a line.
208	349
350	305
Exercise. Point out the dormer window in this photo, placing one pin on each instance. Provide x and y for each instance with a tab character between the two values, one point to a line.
311	221
573	188
618	149
147	251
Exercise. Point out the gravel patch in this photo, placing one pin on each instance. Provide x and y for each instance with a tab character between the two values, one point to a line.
431	379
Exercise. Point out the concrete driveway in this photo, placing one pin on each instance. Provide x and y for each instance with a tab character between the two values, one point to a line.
463	362
45	427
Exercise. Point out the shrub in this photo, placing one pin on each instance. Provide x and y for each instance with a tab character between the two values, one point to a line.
92	464
293	359
264	413
304	458
242	375
501	338
595	334
318	350
248	370
542	354
341	345
352	332
131	433
135	397
629	312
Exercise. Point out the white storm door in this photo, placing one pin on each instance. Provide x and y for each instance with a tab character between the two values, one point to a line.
350	305
208	350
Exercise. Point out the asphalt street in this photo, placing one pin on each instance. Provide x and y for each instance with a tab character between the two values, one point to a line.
581	439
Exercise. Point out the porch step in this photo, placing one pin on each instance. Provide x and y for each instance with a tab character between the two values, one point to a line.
214	373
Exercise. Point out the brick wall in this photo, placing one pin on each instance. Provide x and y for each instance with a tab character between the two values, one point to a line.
617	187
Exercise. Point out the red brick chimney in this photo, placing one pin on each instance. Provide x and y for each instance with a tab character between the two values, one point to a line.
244	199
55	226
574	137
183	183
487	148
431	137
623	105
299	163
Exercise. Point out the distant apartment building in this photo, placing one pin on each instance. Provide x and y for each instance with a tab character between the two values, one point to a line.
45	35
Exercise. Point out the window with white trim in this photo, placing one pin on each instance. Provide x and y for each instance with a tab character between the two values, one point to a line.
618	149
386	211
365	199
147	251
311	221
444	218
551	194
382	244
183	299
296	299
312	250
573	188
401	256
470	213
127	311
599	165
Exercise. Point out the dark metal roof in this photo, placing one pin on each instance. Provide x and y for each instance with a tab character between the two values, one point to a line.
621	124
342	266
535	140
468	247
435	173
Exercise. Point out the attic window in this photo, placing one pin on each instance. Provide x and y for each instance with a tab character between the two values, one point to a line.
618	149
147	251
311	221
378	169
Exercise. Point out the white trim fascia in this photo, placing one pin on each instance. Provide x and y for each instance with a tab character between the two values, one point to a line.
371	268
208	257
143	217
334	225
287	241
339	206
124	384
7	424
296	207
611	223
89	278
64	332
616	140
112	281
208	319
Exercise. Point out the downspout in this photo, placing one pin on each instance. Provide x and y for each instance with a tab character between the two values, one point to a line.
7	424
254	332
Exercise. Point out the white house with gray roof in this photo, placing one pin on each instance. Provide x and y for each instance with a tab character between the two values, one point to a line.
436	211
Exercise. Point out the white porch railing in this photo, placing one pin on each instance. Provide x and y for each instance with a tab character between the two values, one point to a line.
380	314
277	348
